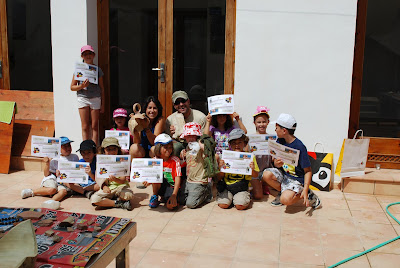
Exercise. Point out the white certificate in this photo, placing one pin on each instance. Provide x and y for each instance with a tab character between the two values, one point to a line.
85	71
237	162
73	172
122	136
116	165
221	104
147	169
45	146
286	154
258	143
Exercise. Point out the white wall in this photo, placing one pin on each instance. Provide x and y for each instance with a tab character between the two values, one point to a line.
296	57
73	24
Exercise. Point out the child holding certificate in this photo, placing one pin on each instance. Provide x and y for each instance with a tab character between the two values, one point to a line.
121	123
219	126
49	186
197	189
261	121
233	188
113	187
169	189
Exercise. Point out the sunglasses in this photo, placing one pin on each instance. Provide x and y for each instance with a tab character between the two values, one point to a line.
179	101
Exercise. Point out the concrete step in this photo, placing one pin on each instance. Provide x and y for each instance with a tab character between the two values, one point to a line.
376	182
29	163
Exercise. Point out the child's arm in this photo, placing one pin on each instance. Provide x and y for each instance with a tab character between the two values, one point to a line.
158	129
220	175
46	170
76	87
278	163
207	126
240	123
171	203
88	171
307	181
106	189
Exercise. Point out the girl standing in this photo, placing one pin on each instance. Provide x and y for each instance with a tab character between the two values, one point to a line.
89	98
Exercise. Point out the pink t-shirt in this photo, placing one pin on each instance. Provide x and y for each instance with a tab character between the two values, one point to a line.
221	138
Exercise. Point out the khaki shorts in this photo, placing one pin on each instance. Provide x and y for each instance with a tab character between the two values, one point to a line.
226	198
93	103
122	191
50	182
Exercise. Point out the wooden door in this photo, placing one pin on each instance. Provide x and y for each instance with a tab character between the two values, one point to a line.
169	49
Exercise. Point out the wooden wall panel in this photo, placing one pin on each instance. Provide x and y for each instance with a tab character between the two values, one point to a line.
230	44
6	134
5	81
385	152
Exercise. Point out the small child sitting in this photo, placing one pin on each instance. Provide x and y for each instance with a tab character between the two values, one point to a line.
197	189
234	187
169	189
113	186
49	186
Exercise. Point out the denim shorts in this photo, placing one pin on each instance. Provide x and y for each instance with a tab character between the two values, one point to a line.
287	182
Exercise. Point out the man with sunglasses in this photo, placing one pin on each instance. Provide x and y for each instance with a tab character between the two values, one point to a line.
184	114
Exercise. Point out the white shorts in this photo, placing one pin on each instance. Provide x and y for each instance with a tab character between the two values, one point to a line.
93	103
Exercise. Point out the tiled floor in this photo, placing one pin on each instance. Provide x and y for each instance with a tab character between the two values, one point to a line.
262	236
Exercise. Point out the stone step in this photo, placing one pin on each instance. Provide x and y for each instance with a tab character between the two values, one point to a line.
376	182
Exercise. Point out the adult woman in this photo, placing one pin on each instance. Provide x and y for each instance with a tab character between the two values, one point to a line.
143	143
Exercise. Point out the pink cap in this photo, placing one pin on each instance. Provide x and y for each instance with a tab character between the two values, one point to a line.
87	48
120	112
261	110
191	128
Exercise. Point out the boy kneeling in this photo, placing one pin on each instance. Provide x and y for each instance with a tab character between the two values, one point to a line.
292	181
234	187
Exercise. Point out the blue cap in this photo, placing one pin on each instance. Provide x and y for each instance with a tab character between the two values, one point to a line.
65	140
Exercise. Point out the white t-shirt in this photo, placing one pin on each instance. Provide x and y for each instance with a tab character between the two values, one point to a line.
54	161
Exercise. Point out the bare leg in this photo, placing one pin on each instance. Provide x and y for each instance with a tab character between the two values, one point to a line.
60	195
241	207
108	203
137	151
45	191
95	114
257	189
224	206
156	188
289	197
270	178
85	123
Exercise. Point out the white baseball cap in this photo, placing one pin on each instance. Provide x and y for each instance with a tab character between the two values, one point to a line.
286	121
162	139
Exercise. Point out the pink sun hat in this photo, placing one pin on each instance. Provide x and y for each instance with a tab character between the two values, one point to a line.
87	48
120	112
261	110
191	128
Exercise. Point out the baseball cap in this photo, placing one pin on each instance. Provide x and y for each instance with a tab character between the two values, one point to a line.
179	95
65	140
87	145
110	141
162	139
191	128
87	48
286	121
235	134
120	112
261	110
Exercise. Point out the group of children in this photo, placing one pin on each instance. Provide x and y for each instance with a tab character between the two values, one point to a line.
200	162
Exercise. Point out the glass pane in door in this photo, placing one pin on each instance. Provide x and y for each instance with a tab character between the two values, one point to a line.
380	97
199	49
133	51
29	45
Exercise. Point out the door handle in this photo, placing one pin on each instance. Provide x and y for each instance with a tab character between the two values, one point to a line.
162	74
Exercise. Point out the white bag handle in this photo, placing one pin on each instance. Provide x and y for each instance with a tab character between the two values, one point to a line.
320	143
362	134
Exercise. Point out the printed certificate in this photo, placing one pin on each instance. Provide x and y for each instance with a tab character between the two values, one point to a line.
122	136
237	162
85	71
288	155
221	104
147	169
117	165
73	172
258	143
45	146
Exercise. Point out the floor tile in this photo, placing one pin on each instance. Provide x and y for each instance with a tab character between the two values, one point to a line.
295	254
301	239
183	227
333	256
225	231
258	250
175	243
342	241
215	247
197	260
383	260
160	258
